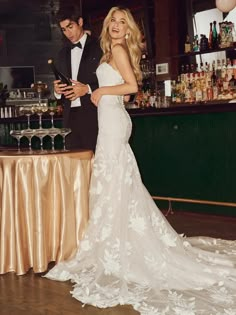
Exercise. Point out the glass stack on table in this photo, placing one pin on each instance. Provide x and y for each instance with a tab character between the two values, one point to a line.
41	108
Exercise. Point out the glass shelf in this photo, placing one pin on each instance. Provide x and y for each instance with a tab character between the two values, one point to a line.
209	51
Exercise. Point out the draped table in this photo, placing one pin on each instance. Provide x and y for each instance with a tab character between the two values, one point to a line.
43	207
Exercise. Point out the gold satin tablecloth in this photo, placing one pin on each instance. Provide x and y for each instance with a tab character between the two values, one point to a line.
43	208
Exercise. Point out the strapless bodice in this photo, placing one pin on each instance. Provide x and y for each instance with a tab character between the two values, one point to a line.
108	76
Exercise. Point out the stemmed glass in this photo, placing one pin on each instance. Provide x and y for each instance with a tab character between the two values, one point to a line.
39	87
29	134
41	133
17	134
53	132
40	109
52	111
27	111
39	112
64	133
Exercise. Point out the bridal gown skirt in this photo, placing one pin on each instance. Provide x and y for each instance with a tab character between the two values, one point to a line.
130	254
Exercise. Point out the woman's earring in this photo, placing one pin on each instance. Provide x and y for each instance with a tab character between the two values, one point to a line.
126	36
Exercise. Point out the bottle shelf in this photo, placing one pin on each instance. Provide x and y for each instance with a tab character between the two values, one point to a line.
194	53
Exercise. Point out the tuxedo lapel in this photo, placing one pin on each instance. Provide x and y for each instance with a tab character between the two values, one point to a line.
86	49
68	61
84	64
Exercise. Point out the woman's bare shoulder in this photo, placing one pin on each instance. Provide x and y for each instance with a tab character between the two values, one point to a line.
119	51
118	48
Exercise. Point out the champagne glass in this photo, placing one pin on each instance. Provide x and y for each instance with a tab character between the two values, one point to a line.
17	134
41	133
29	134
53	132
52	111
64	133
40	109
40	88
26	110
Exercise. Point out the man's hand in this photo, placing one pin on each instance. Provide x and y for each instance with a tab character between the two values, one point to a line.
71	92
77	89
59	87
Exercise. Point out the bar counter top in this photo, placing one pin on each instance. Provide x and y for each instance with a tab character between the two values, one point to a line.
185	108
173	109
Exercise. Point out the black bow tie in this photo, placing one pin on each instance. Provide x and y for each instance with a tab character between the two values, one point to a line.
76	45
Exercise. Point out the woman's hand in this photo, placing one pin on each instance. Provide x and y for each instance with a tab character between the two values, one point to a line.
96	96
126	98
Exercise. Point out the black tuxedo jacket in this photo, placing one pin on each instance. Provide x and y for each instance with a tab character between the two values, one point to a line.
86	74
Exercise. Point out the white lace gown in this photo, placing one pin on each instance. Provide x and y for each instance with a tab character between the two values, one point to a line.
130	254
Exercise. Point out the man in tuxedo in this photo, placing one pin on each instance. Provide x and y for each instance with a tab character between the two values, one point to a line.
78	59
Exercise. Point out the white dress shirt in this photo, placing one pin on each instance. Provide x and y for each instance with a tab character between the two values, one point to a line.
76	54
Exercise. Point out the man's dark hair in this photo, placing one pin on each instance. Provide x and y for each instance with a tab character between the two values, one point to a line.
68	13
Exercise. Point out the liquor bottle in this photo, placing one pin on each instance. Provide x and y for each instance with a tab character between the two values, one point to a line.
207	67
187	45
225	83
229	69
204	93
182	73
223	68
198	92
209	91
218	69
207	72
232	84
214	36
178	90
204	45
214	82
219	36
234	68
202	71
215	92
187	68
195	43
144	65
59	75
213	76
173	91
187	93
193	68
210	37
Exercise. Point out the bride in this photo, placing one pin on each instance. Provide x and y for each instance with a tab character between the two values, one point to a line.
130	254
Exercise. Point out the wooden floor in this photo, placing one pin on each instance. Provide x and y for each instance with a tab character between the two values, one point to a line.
33	295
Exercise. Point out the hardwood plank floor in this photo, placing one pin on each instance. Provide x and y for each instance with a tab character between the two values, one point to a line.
33	295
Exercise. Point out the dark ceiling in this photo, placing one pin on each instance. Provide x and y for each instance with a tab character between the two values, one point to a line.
28	12
16	7
88	6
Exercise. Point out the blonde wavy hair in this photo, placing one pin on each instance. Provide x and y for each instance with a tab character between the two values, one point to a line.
133	41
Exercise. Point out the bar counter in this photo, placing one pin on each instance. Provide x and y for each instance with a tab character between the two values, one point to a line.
188	151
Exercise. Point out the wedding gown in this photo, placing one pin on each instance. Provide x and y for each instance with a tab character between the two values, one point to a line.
130	254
